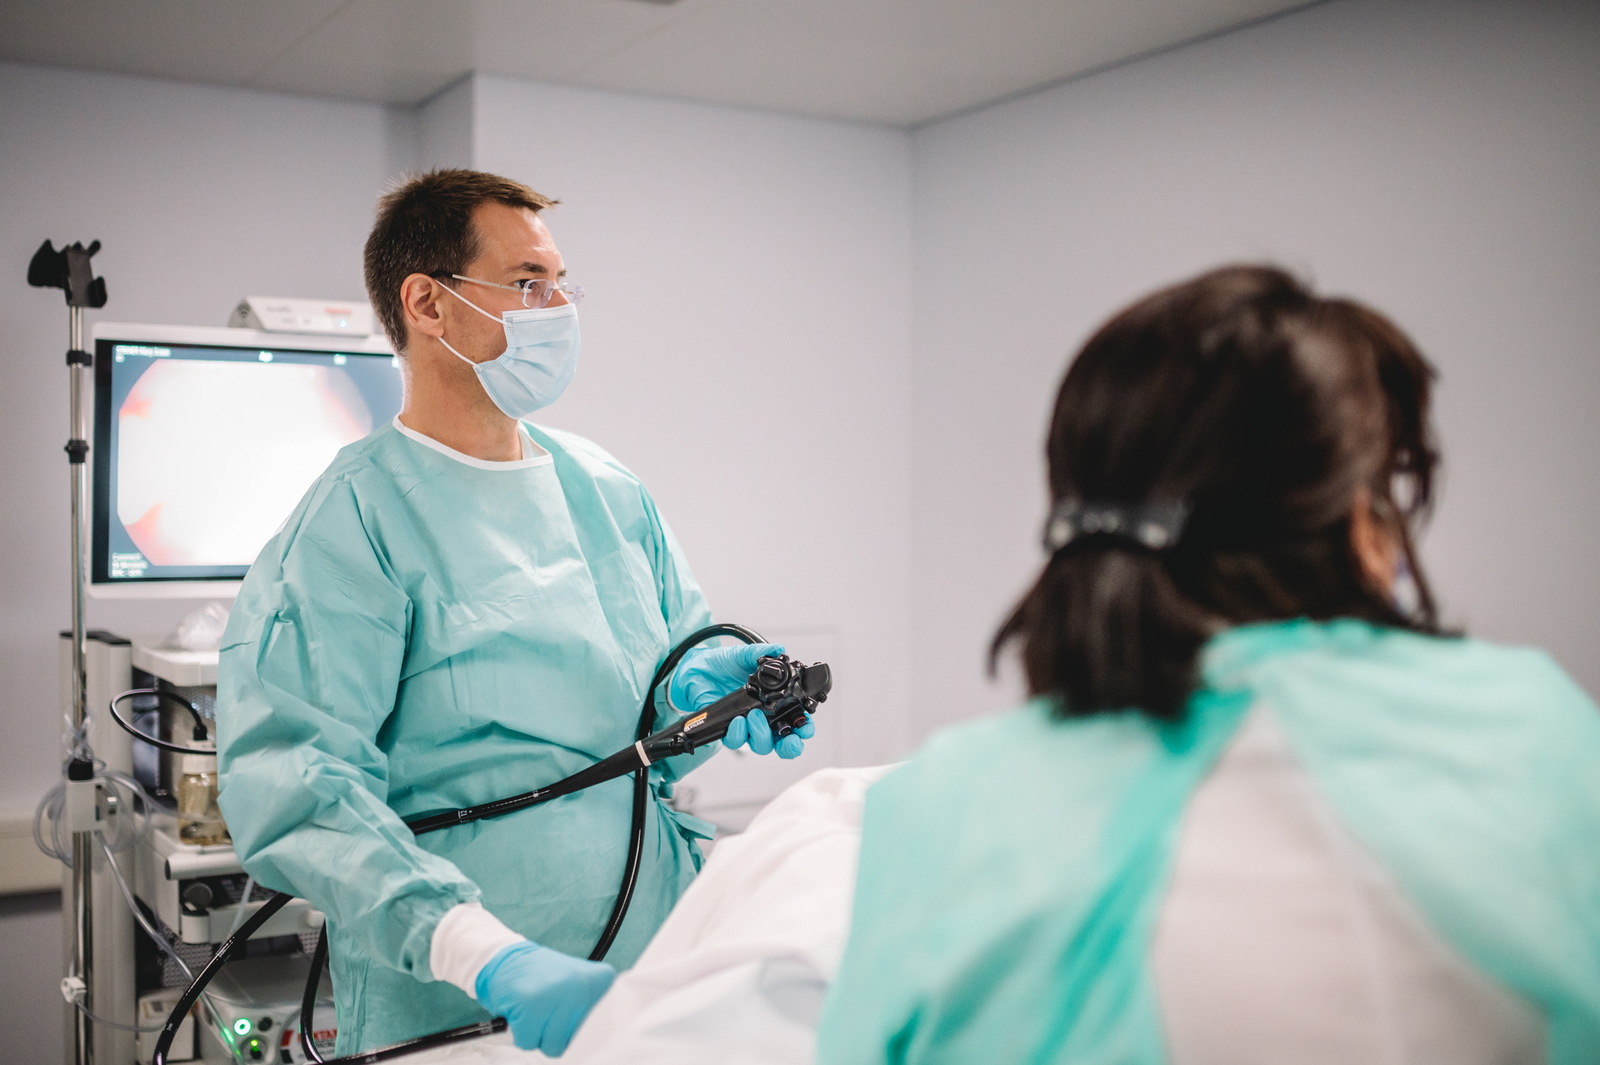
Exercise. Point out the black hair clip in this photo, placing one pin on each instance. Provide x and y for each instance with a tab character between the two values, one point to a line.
1154	526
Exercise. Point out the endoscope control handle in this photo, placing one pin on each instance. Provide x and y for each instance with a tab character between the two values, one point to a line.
698	729
789	706
785	690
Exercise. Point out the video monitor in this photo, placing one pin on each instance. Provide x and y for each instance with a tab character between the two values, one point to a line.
206	439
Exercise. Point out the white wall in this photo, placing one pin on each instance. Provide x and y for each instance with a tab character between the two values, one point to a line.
444	127
1439	159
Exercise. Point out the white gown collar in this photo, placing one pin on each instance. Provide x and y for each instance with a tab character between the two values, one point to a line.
532	454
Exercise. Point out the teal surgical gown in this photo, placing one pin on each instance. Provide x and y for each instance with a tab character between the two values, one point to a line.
1011	874
425	634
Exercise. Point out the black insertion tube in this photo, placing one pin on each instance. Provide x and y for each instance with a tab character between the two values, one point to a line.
630	759
641	778
191	994
422	1042
620	764
155	741
308	1000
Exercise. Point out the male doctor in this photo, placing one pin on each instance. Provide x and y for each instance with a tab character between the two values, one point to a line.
463	607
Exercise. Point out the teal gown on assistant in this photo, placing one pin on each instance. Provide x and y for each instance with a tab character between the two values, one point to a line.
1011	874
425	634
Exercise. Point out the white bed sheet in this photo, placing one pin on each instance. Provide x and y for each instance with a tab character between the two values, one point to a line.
738	971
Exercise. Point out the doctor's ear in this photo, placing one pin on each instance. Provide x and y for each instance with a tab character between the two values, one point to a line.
420	299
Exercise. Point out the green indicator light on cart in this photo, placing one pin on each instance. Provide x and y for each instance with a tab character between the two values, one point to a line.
242	1025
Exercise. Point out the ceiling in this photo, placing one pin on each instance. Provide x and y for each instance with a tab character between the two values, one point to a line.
898	62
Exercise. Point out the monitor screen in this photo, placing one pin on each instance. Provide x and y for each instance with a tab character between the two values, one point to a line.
206	439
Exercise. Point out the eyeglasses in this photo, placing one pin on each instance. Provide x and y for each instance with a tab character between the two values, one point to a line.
536	291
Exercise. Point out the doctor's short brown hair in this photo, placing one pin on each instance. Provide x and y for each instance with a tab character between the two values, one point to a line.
424	226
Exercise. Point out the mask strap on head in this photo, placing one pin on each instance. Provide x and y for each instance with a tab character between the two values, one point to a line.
475	307
1149	526
492	317
456	353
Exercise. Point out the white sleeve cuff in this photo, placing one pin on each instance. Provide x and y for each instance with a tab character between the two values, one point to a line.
463	942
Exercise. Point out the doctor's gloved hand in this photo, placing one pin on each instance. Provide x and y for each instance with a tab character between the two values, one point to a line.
706	674
544	995
754	729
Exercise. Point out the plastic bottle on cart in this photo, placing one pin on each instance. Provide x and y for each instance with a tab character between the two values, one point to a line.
197	800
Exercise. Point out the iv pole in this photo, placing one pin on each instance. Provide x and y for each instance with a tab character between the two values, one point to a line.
69	269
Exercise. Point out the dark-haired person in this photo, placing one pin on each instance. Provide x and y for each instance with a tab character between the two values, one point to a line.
465	606
1260	809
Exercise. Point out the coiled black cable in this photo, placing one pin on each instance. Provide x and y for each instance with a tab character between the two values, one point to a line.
584	778
576	782
194	711
192	993
308	998
641	778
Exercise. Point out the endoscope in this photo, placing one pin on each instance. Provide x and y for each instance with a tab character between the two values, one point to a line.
784	690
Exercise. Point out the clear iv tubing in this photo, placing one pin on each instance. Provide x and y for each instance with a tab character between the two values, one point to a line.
51	806
54	801
149	930
244	900
50	809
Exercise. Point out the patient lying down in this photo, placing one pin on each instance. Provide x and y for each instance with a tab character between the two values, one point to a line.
723	980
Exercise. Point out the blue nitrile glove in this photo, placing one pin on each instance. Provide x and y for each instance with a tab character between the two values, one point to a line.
706	674
543	994
755	728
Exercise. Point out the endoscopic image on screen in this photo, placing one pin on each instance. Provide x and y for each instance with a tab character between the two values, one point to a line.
212	448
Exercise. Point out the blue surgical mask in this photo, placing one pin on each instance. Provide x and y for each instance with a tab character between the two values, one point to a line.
540	358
